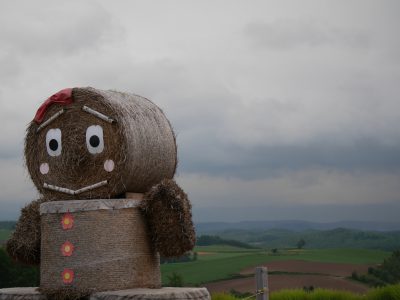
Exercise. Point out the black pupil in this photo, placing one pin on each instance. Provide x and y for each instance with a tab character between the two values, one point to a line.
53	144
94	141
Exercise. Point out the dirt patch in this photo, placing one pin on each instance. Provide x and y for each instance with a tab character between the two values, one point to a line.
279	282
205	253
302	266
316	274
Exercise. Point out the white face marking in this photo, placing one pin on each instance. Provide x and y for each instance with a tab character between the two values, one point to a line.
94	139
109	165
97	114
49	120
44	168
53	142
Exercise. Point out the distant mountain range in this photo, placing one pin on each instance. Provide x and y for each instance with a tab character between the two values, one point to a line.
294	225
286	234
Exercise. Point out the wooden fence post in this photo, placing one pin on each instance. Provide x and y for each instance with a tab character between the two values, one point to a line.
262	283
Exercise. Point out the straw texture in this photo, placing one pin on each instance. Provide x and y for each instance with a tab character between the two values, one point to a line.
140	142
111	251
24	244
168	213
112	242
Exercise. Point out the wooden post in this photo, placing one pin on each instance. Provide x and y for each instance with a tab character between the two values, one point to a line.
262	283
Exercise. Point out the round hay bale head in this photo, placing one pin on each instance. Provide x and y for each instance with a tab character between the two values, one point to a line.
95	245
100	144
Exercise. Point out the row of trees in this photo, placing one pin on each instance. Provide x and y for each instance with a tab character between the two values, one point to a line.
387	273
208	240
188	256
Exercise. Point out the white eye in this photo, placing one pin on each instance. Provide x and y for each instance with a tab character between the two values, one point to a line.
53	142
94	139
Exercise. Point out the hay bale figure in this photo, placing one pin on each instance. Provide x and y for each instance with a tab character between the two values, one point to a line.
84	150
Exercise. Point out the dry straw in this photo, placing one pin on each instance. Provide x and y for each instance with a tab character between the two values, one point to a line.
168	213
24	246
137	137
116	248
111	248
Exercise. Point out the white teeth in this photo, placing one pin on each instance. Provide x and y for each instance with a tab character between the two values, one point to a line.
58	189
74	192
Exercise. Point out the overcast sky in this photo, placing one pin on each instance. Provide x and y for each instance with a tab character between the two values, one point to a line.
283	109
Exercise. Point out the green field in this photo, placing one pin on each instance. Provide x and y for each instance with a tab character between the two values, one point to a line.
223	262
4	234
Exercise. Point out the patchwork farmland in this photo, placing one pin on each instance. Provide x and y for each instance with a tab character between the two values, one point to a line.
225	268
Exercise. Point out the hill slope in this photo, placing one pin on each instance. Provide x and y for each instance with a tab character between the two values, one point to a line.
339	237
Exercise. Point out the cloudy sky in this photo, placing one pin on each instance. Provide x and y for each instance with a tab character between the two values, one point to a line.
283	109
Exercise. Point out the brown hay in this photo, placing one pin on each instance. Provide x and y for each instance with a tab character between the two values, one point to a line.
141	143
168	213
112	249
24	244
143	147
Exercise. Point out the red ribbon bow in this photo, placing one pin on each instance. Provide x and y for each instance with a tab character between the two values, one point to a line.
63	97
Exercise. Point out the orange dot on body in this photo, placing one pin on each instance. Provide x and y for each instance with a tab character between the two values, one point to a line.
67	276
67	248
67	221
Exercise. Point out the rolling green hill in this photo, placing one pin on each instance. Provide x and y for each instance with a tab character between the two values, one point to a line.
339	237
207	240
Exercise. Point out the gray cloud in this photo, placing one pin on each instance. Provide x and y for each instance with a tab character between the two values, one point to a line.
265	161
54	28
312	186
286	34
314	120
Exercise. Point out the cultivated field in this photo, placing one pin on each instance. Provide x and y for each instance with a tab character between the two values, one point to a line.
223	268
297	274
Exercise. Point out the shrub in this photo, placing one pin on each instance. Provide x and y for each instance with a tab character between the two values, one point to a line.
390	292
387	273
13	274
175	280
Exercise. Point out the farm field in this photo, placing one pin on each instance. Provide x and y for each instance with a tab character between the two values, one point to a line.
4	234
222	268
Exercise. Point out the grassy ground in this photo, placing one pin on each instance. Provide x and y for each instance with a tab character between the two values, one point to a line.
391	292
223	262
351	256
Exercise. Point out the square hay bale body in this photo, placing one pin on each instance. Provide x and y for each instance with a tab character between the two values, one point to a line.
96	245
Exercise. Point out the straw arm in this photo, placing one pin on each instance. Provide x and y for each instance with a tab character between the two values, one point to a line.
168	213
24	244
